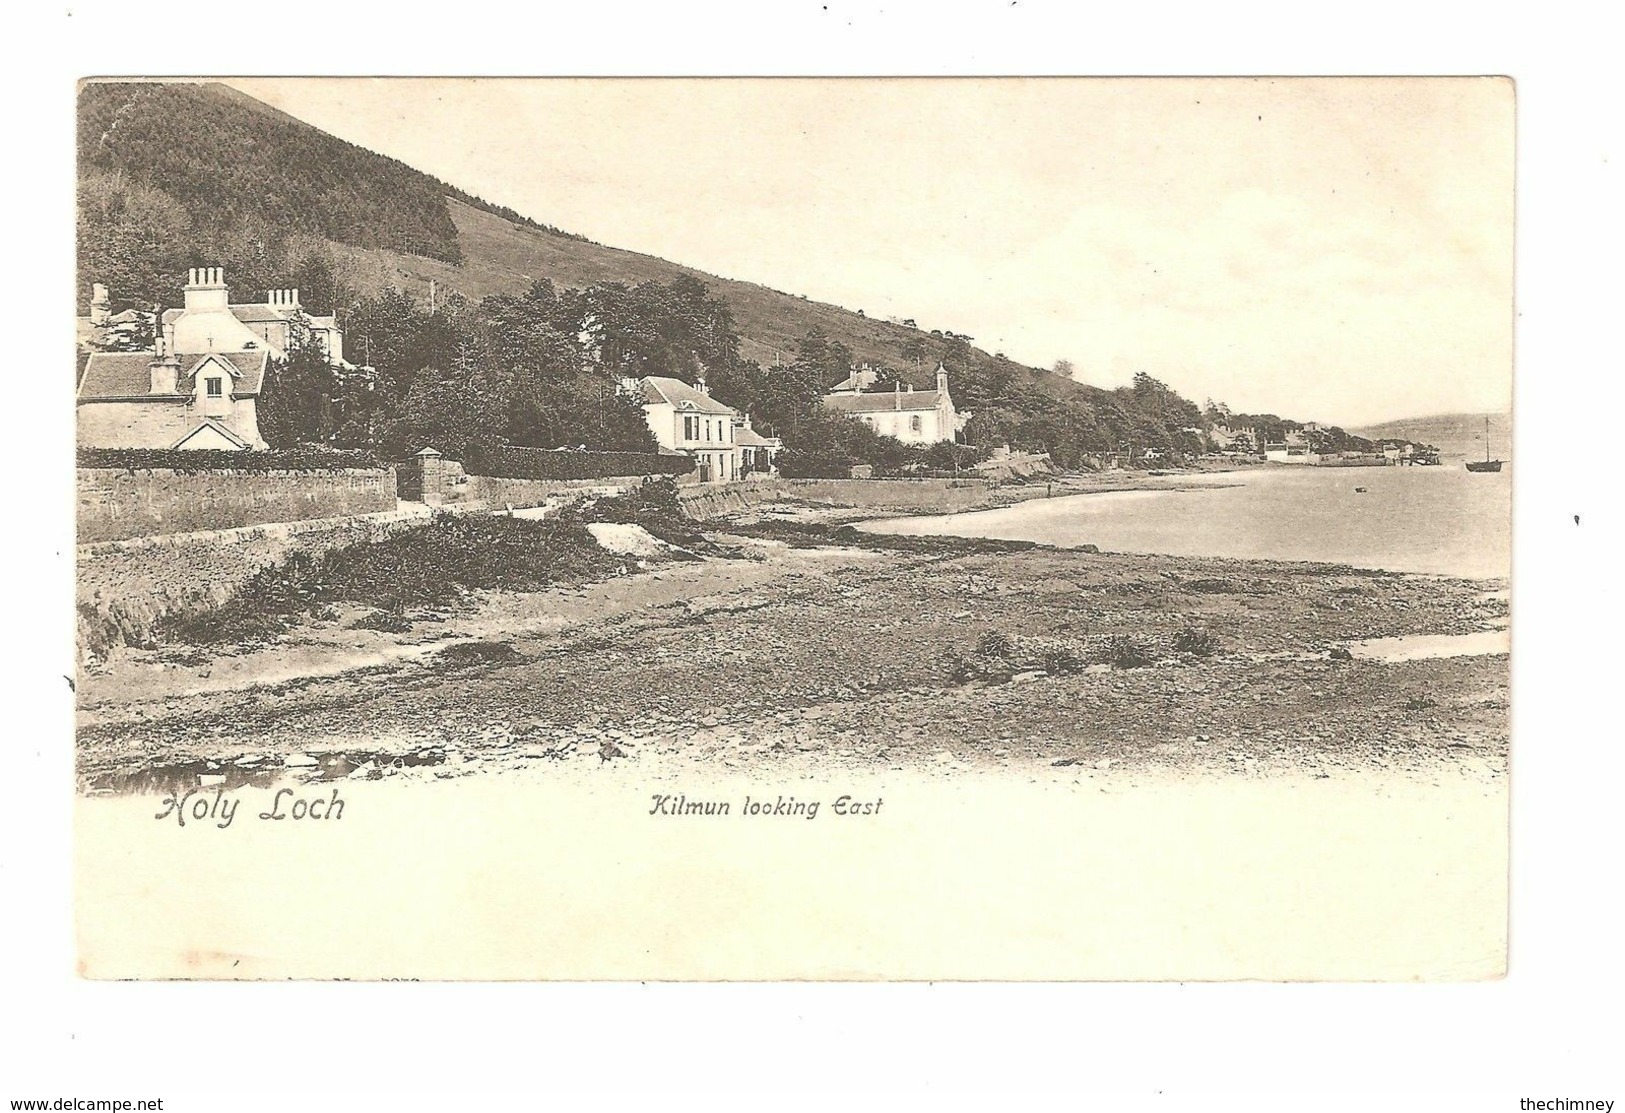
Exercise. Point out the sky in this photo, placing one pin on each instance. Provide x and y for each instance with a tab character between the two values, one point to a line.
1333	249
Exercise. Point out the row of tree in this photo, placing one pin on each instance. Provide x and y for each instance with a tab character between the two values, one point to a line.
546	368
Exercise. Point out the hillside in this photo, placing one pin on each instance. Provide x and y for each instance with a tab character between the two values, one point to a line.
501	256
1459	435
174	175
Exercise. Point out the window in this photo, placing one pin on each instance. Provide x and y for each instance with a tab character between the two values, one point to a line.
214	387
915	424
708	430
691	428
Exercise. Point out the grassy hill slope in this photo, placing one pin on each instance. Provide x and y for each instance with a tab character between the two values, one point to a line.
503	256
1453	434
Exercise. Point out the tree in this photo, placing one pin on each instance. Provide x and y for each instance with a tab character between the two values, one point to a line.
297	398
1063	368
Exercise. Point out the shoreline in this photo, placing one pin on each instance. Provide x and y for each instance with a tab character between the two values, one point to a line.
822	650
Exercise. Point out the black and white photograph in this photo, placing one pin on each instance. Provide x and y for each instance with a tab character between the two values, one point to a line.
1019	529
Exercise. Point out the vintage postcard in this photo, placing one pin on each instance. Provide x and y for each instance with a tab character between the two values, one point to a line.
905	529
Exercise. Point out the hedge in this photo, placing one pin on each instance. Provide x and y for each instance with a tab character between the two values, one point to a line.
221	459
510	462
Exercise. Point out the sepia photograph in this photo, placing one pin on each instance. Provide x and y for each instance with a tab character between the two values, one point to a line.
854	529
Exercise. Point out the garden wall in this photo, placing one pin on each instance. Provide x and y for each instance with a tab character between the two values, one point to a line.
118	503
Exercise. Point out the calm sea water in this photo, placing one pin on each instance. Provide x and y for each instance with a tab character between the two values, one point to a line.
1443	520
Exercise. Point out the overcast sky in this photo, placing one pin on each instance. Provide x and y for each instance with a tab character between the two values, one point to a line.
1339	250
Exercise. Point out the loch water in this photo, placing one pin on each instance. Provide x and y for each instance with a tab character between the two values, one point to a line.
1434	520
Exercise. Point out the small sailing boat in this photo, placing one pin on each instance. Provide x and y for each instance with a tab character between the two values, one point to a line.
1485	464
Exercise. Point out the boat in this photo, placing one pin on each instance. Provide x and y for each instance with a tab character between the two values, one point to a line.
1486	464
1359	490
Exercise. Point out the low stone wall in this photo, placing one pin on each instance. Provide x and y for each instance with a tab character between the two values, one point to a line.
437	481
946	496
116	503
494	493
124	587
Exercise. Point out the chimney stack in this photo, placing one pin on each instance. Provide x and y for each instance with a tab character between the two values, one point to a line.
206	289
283	299
166	371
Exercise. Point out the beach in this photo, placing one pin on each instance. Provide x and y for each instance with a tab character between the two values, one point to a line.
809	648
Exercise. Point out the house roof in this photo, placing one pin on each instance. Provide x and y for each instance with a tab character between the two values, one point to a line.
211	425
675	392
127	376
882	401
750	438
253	314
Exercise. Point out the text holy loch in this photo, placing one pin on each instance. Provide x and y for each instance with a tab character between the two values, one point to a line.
784	807
202	807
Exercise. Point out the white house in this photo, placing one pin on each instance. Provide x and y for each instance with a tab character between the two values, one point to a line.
200	388
912	416
211	323
688	420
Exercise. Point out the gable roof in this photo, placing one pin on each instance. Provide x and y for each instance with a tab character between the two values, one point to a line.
675	392
127	376
882	401
210	425
750	438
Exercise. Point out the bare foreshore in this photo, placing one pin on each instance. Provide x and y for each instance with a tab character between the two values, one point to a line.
820	648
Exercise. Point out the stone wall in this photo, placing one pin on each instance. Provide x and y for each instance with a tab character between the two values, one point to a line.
437	481
493	492
124	587
115	504
944	496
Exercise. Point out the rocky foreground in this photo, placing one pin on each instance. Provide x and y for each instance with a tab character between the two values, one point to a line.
814	654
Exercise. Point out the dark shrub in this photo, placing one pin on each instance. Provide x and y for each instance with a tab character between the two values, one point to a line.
384	621
470	654
1059	659
433	565
994	643
305	458
1195	641
1126	653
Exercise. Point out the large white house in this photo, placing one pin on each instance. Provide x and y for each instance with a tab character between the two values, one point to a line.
912	416
685	418
200	387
